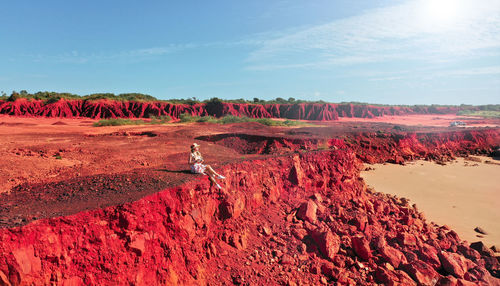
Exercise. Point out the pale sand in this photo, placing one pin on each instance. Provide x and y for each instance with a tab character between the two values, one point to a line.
438	120
462	197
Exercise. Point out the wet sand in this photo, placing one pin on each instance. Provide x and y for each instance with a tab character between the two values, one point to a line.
463	194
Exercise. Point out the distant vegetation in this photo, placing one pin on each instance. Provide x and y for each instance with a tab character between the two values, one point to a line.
186	118
124	121
50	96
490	110
481	113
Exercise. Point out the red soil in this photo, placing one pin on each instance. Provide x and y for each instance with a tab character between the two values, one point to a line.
130	109
297	214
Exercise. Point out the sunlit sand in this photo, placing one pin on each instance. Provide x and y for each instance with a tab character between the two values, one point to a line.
463	194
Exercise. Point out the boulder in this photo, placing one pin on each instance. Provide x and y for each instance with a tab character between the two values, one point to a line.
393	277
287	260
479	246
447	281
328	269
296	175
26	259
429	255
468	252
495	153
4	280
421	272
406	239
480	230
307	211
231	207
361	247
462	282
492	264
317	197
238	241
410	256
379	242
480	274
299	233
328	243
392	255
137	244
360	221
265	230
454	264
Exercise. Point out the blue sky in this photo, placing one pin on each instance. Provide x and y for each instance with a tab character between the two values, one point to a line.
395	52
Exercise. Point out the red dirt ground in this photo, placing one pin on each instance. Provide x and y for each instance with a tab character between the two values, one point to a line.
82	205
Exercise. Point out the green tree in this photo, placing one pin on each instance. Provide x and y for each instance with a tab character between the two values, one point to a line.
214	100
14	96
280	100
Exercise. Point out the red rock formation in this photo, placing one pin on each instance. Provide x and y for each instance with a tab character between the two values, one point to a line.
302	219
130	109
372	147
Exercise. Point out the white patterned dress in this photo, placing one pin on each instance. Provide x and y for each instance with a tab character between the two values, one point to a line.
197	167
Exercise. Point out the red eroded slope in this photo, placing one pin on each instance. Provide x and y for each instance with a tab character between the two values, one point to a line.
125	109
371	147
297	219
442	146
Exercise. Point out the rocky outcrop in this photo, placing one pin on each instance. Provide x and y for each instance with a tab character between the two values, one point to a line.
275	216
131	109
373	147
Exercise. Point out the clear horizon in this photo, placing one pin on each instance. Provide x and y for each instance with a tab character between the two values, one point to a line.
383	52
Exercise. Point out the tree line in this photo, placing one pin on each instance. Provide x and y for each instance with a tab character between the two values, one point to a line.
51	96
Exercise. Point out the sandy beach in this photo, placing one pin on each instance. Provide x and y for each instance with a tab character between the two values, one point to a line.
462	194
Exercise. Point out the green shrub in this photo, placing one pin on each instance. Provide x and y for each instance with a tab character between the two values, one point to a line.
267	121
186	117
481	113
208	118
292	123
14	96
160	120
232	119
229	119
136	97
117	122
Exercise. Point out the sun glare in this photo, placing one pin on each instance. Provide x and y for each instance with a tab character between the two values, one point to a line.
440	14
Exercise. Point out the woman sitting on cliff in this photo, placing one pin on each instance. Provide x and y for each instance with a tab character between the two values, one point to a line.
195	160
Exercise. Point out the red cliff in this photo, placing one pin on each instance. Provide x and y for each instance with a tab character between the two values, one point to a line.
130	109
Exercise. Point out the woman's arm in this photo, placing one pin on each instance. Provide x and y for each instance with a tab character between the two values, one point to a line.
191	159
200	158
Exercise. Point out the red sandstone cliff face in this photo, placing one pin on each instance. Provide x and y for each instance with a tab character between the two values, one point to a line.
125	109
295	219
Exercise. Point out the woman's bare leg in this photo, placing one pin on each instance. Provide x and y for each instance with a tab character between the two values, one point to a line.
211	171
214	182
211	179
